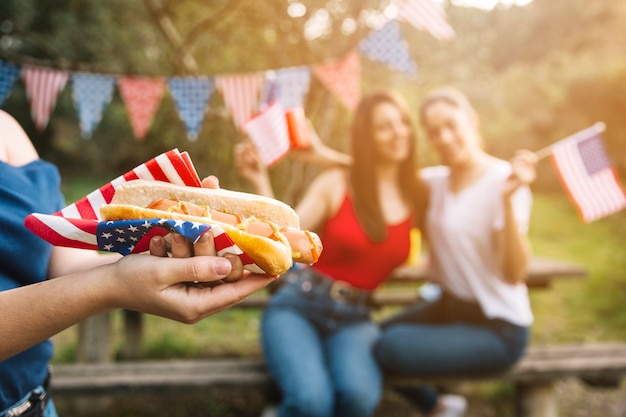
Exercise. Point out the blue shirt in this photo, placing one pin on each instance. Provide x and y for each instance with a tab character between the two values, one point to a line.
33	187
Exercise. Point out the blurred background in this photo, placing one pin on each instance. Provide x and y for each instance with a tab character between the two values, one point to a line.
536	71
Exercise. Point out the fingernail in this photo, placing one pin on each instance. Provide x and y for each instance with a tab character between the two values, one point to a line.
222	266
158	241
178	238
204	238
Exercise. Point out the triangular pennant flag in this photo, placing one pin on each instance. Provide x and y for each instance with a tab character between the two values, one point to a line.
142	96
43	87
427	15
342	78
269	93
8	75
387	45
293	85
91	94
192	95
268	131
241	93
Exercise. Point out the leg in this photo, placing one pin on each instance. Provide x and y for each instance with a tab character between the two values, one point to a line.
356	374
295	358
423	349
438	349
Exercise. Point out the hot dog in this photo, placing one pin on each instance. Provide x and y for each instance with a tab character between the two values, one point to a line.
266	229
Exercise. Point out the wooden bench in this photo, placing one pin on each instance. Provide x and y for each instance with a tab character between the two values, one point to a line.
399	290
534	376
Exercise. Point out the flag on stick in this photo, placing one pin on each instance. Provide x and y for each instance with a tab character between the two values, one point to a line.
585	171
269	132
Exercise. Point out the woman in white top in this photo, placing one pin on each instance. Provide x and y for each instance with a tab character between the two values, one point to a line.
475	223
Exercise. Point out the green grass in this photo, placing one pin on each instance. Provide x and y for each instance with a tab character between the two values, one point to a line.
586	310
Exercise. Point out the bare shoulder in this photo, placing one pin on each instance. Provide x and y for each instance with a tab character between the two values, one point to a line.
323	198
15	145
334	177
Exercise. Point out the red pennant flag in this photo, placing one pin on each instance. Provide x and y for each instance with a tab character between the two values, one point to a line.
427	15
268	131
241	94
142	96
342	78
43	87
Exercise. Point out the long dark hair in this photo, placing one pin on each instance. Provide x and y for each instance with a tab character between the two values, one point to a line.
363	175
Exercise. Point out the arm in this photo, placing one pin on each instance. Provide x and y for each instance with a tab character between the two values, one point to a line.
320	154
157	285
515	253
250	167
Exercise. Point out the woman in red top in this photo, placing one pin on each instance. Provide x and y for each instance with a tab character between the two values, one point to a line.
317	333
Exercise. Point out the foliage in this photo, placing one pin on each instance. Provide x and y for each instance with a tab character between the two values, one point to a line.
536	73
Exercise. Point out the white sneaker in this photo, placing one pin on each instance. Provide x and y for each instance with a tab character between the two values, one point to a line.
453	406
270	411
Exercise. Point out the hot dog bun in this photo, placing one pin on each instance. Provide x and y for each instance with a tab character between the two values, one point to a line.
273	250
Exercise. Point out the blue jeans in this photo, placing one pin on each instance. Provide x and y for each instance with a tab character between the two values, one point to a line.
447	336
49	411
319	352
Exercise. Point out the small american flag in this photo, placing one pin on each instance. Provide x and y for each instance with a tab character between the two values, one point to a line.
79	225
585	170
269	133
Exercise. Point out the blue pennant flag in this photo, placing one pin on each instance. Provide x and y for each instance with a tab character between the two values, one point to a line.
269	94
387	45
91	93
292	85
8	75
192	95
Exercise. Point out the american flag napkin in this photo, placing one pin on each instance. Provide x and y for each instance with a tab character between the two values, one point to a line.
79	225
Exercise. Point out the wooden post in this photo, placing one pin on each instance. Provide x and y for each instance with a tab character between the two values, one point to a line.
94	339
536	400
133	333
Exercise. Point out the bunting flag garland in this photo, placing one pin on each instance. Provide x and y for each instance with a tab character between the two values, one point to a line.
269	133
585	170
141	96
269	93
342	78
427	15
91	94
292	86
241	93
43	86
9	73
387	45
192	96
79	226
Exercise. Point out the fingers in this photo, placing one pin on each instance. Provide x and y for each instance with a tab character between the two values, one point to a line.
229	265
205	246
181	246
222	297
157	246
211	182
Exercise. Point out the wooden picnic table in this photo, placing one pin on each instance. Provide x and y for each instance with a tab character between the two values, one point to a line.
94	333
